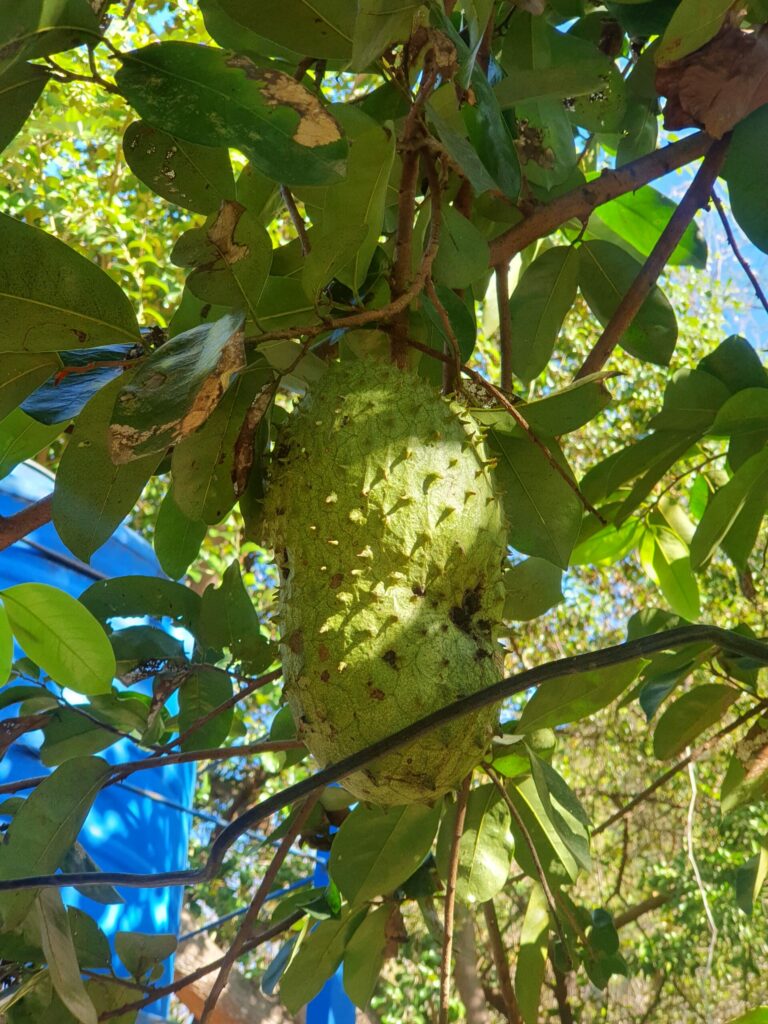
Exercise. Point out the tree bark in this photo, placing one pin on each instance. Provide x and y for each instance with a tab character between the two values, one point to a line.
465	973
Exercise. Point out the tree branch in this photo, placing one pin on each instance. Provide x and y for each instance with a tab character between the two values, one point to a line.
505	324
296	219
694	199
499	954
26	520
671	639
450	900
737	251
245	929
580	202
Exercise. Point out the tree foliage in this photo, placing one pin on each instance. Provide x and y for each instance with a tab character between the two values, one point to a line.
213	201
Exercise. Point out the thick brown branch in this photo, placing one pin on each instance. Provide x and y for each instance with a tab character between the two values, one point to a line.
26	520
505	324
580	202
694	199
450	900
639	909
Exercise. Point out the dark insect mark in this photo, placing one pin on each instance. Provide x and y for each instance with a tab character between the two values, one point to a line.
391	658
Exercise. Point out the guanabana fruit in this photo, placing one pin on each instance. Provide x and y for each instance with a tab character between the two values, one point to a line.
390	540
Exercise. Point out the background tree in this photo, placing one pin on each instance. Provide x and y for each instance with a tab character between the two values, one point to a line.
464	189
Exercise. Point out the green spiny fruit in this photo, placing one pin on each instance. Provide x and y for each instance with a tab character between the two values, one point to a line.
390	540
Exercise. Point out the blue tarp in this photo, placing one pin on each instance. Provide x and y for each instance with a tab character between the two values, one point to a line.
126	830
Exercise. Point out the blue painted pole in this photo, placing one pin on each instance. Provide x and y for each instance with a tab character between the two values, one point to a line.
331	1005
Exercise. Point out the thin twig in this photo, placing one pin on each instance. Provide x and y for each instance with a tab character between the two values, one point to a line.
753	279
700	886
450	900
672	639
265	887
499	954
296	219
505	324
450	335
694	199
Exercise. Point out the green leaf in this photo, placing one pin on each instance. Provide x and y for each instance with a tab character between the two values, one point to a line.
318	956
20	89
68	734
377	848
532	957
92	495
53	298
61	957
140	951
22	374
693	24
692	399
197	178
215	98
128	596
485	847
203	464
605	274
571	698
736	364
6	651
36	28
665	558
463	253
232	34
747	153
77	858
547	150
204	689
689	716
228	619
757	1016
44	828
21	438
231	256
639	218
61	636
176	389
380	23
552	854
364	956
746	779
608	545
177	538
747	485
532	587
330	252
563	810
538	306
320	28
749	880
746	412
543	512
560	412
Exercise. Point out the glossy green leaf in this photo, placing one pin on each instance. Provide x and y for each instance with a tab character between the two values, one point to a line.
571	698
747	153
36	28
22	437
61	956
203	464
140	951
68	734
228	619
128	596
379	24
692	399
204	688
745	412
532	958
232	34
177	538
538	306
607	545
693	24
749	880
20	89
552	854
463	253
377	848
318	956
21	374
215	98
757	1016
532	588
638	218
52	298
197	178
92	495
689	716
61	636
6	649
563	810
364	956
668	564
485	847
176	389
605	274
321	28
543	512
736	364
44	828
748	484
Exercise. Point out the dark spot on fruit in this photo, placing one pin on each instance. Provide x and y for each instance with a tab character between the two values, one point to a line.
461	615
377	694
418	590
325	675
391	658
335	580
323	653
296	641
